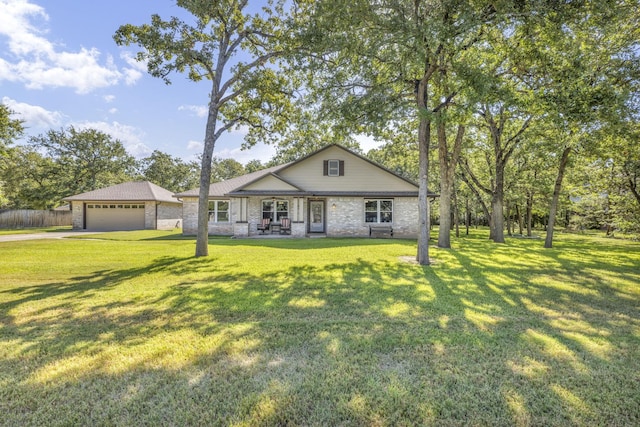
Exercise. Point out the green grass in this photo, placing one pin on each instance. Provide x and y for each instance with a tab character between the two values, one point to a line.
135	331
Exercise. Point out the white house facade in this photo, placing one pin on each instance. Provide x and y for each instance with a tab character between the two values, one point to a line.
333	192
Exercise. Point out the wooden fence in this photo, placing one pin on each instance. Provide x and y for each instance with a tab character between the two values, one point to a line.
23	218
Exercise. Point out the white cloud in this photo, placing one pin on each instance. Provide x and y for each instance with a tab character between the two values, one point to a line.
113	110
109	98
38	63
262	152
34	116
131	137
198	110
136	68
195	146
15	22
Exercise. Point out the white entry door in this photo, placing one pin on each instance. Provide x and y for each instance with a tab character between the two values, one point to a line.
316	214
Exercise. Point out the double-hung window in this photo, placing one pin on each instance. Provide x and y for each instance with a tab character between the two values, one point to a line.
334	168
378	211
275	209
218	211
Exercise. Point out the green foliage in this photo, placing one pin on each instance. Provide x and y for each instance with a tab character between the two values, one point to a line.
236	50
61	163
224	169
606	187
84	160
10	129
168	172
253	166
399	157
30	180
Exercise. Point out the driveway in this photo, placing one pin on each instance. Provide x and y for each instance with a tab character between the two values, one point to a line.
50	235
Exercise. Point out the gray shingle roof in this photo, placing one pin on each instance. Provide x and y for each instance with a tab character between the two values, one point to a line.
127	191
220	189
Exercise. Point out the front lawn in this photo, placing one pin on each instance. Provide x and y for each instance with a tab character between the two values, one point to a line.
135	331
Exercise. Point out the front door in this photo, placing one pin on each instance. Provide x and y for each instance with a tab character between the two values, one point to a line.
316	216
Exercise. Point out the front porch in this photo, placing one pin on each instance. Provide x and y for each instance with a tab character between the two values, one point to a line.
252	229
281	236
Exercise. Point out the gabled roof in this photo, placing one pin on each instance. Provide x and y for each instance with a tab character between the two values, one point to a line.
140	191
326	147
220	189
250	184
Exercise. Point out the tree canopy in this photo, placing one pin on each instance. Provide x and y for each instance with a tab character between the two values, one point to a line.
234	47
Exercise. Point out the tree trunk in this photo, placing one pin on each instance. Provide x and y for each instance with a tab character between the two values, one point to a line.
548	243
424	139
202	240
456	213
444	239
509	219
448	163
497	206
520	220
468	215
529	213
423	200
476	192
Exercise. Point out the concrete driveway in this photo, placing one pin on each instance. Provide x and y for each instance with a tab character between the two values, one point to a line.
36	236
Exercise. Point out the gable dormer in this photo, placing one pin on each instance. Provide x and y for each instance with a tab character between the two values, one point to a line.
322	170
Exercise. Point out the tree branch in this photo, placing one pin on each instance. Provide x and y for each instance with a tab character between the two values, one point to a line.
468	173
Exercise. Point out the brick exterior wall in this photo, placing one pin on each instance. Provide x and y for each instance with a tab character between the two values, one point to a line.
190	215
169	216
190	219
405	217
150	215
77	215
345	220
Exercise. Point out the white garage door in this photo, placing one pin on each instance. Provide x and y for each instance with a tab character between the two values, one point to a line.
104	217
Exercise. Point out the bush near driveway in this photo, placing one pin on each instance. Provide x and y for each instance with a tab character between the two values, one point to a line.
135	331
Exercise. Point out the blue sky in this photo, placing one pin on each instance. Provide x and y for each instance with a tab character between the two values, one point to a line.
59	66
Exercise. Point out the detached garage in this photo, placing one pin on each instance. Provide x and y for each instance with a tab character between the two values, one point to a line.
128	206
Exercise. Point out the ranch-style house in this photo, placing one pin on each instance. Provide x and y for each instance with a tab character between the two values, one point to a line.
332	192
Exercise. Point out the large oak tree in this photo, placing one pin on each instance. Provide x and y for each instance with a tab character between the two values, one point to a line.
233	44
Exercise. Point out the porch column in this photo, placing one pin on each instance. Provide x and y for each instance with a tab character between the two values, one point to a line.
297	217
243	214
297	211
241	225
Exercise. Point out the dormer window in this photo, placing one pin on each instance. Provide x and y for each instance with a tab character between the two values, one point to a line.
333	168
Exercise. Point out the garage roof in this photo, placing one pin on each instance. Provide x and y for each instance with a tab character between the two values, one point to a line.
140	191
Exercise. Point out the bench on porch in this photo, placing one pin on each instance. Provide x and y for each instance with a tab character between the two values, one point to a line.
380	230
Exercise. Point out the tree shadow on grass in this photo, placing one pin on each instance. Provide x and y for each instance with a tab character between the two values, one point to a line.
571	331
358	342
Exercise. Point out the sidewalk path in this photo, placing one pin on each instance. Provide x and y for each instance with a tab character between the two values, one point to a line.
50	235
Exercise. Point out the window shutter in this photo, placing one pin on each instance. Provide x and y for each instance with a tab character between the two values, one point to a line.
325	167
341	173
